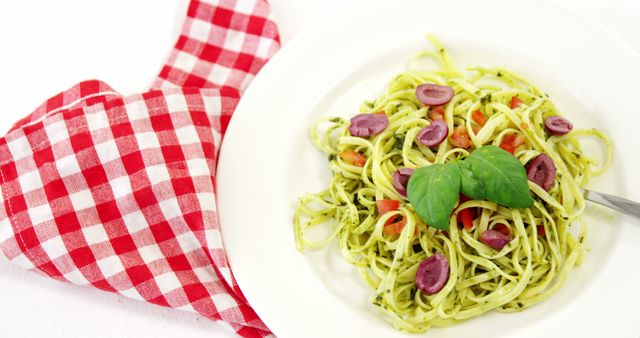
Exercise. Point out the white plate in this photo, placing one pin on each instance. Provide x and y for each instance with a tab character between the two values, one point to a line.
268	160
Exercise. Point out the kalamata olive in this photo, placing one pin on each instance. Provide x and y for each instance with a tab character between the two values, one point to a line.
495	239
368	124
400	180
432	94
542	171
432	274
558	125
433	134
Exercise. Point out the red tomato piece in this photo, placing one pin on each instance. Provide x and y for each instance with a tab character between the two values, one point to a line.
465	216
515	102
385	206
353	157
502	228
478	117
436	113
508	143
541	231
460	137
396	227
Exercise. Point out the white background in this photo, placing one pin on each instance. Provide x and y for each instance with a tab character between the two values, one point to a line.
47	46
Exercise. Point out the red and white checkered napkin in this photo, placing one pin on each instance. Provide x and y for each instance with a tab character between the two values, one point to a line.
118	192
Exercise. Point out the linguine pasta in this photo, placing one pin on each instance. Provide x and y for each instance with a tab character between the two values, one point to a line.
546	239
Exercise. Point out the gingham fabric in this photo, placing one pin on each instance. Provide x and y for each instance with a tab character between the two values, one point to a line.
118	192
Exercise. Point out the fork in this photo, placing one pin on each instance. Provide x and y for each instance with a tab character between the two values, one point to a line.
620	204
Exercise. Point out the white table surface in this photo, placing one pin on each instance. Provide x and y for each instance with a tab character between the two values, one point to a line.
47	46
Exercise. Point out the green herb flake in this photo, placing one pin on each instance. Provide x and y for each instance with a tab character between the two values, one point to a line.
485	99
398	145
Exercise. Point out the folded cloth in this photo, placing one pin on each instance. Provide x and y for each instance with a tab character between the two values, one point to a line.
118	192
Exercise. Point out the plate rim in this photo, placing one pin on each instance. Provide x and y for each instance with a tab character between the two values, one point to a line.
224	153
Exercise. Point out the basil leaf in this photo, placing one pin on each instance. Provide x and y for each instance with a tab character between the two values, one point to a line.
470	185
433	192
502	175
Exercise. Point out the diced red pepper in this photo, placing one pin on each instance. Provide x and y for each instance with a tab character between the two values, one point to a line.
503	228
353	157
515	102
460	137
478	117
